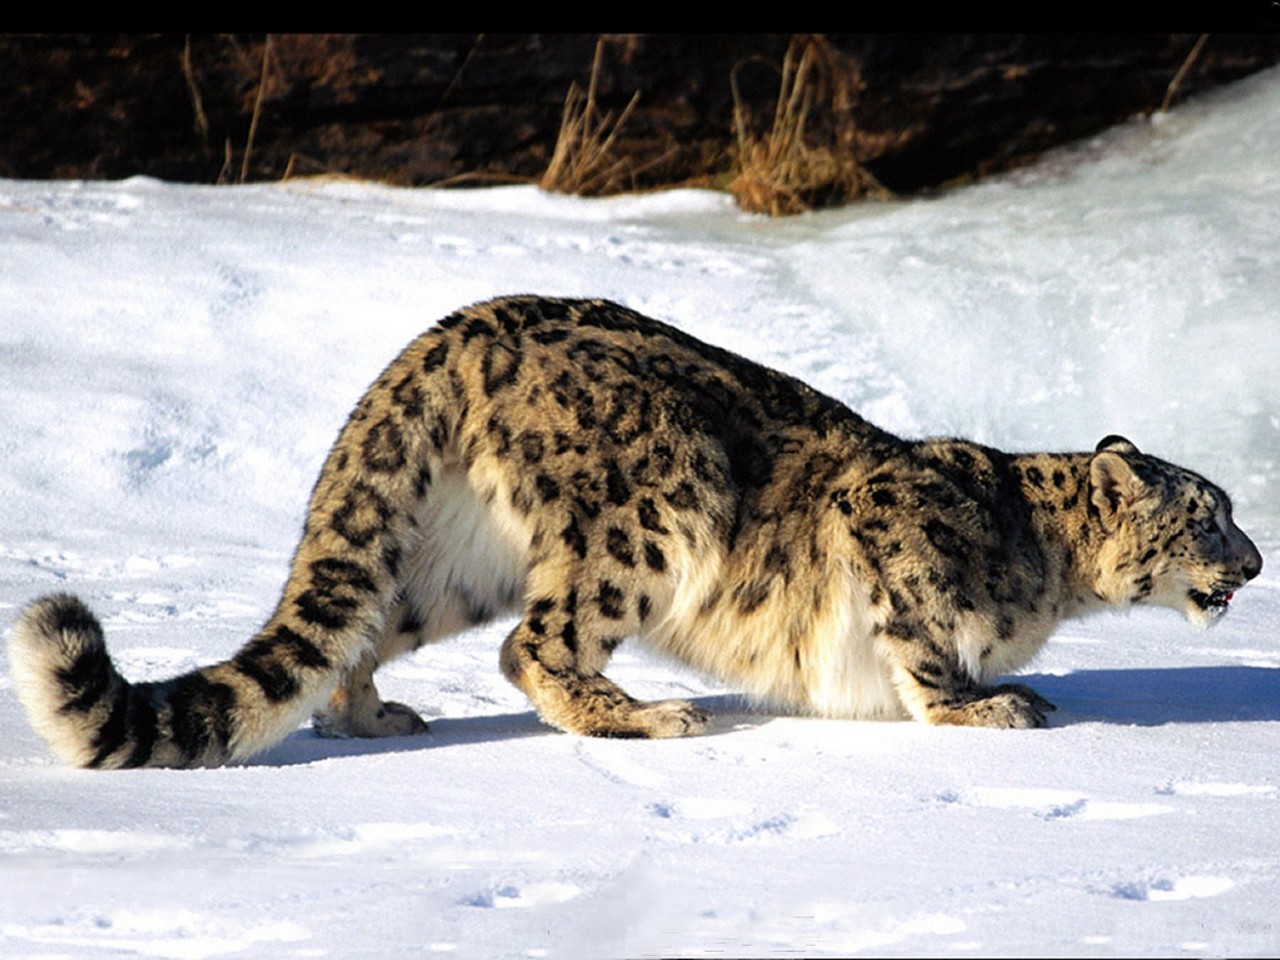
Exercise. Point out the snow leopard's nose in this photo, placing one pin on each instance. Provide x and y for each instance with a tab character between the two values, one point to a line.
1252	565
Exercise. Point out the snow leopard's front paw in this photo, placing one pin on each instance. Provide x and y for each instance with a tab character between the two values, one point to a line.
1008	706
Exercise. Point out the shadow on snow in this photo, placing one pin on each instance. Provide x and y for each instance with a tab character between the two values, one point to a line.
1141	697
729	712
1155	696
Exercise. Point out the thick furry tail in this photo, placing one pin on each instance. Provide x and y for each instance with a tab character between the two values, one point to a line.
333	609
91	716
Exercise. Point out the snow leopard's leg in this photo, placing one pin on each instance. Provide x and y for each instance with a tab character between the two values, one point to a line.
556	654
934	687
355	709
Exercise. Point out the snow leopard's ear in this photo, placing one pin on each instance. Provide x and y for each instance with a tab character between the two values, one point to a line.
1117	443
1115	486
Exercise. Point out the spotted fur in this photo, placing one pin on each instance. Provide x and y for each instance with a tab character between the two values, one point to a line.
607	476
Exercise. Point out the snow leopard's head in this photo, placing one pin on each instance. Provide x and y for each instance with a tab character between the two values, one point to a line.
1169	536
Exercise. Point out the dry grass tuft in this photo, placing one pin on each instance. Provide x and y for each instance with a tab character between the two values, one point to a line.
582	162
257	109
793	167
193	90
1172	90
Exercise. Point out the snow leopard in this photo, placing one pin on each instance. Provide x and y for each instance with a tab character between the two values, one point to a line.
604	476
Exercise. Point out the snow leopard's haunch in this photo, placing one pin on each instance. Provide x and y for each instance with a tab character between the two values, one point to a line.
608	476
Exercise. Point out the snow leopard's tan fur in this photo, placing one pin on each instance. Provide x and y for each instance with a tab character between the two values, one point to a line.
608	476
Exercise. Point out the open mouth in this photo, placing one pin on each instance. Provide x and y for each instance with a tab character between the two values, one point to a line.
1214	603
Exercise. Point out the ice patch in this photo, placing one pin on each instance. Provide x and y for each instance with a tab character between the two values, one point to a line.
1054	804
531	895
357	840
783	828
1034	797
1209	789
1183	888
701	808
90	842
1105	810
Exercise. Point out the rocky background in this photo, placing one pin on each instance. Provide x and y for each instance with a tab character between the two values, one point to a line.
912	111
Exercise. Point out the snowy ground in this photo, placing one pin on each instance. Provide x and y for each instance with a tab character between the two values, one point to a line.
175	360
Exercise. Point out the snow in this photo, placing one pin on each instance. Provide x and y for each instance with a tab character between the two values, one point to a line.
175	360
